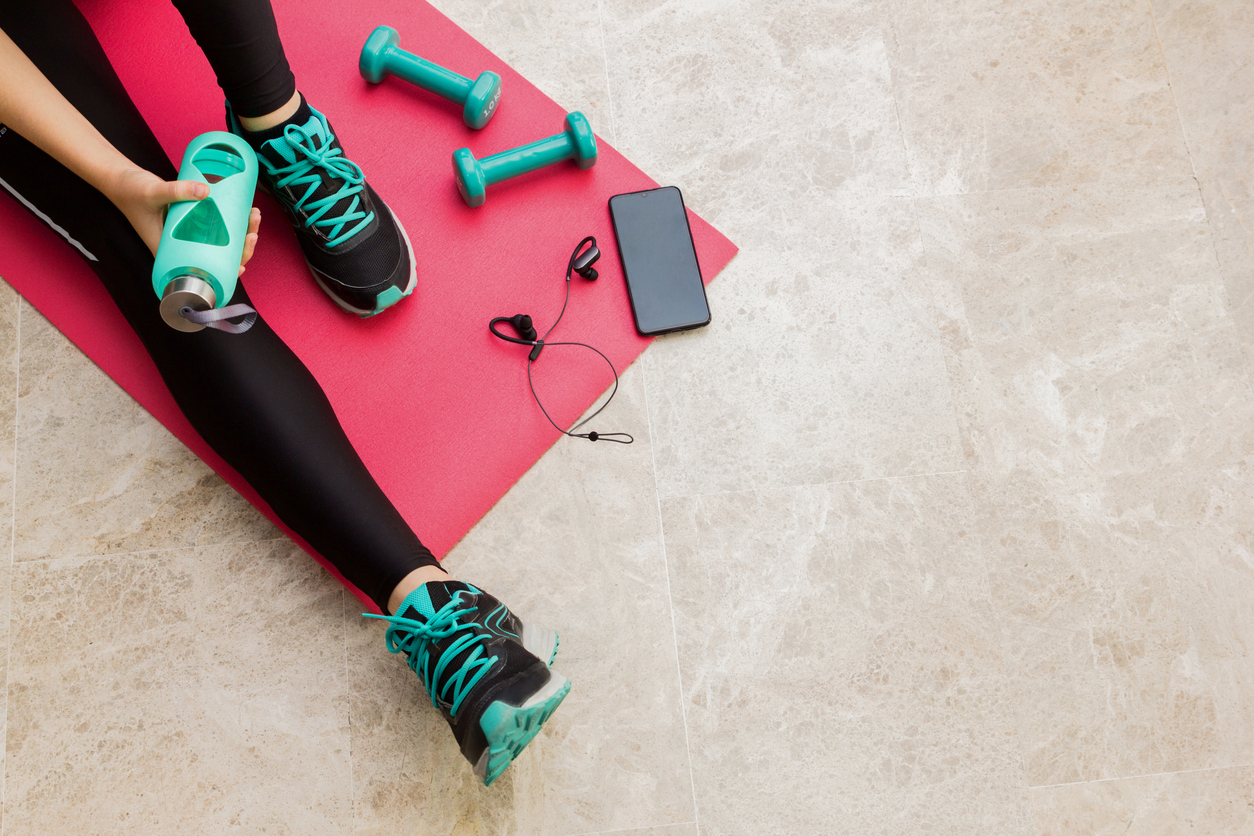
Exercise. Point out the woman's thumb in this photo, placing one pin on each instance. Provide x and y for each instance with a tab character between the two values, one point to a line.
177	190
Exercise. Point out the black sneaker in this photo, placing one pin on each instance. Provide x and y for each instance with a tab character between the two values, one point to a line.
355	247
479	665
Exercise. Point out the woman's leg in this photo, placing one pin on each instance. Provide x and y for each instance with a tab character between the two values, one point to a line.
241	40
257	405
247	395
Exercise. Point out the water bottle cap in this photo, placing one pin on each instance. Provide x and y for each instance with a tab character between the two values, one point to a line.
186	292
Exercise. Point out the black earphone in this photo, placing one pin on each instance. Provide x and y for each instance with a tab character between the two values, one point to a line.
526	332
581	261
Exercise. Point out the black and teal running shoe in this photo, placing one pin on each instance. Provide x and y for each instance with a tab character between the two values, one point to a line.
485	670
355	247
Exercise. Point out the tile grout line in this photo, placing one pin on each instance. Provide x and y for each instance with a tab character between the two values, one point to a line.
670	604
1137	777
1175	103
1197	182
193	547
670	601
348	711
936	315
1068	187
837	483
8	616
912	184
633	829
605	62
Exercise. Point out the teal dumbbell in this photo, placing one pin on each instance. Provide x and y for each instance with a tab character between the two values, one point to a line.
575	143
381	56
202	241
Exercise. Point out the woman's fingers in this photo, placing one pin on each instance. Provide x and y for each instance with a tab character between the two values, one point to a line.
250	243
250	240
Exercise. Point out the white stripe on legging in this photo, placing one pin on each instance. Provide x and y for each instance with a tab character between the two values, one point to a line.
48	221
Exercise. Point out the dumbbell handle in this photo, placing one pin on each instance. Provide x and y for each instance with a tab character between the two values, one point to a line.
527	158
575	143
422	73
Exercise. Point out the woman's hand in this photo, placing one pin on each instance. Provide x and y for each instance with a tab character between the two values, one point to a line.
142	196
32	107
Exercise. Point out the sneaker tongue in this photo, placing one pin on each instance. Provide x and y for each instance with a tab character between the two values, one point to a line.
427	599
280	151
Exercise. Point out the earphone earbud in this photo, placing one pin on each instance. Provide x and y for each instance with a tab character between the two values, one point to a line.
522	324
584	261
523	327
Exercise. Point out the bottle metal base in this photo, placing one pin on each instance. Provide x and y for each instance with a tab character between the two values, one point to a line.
186	292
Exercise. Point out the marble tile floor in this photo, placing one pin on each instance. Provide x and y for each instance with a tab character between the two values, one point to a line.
943	526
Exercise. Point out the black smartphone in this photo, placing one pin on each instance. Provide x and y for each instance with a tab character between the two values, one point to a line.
659	261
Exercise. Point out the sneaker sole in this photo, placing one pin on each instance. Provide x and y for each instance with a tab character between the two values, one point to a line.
540	642
509	728
379	308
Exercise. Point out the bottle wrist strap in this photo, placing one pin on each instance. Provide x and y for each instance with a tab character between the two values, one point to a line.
219	318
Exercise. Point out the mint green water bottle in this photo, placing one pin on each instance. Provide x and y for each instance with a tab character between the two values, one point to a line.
197	262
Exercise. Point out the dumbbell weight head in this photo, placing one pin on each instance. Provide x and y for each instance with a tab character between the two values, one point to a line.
471	181
582	139
372	64
481	101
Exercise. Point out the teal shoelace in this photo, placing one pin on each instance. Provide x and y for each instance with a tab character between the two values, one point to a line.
416	638
310	157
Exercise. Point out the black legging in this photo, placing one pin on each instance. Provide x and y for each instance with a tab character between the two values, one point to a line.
248	395
241	41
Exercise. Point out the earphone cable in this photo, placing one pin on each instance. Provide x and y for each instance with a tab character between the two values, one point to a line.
520	322
591	436
570	268
560	313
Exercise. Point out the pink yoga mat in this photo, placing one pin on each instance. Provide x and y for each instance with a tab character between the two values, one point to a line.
438	409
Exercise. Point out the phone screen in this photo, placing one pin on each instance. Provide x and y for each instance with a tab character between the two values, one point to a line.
659	261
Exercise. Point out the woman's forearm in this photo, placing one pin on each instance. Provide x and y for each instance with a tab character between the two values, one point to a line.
32	107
